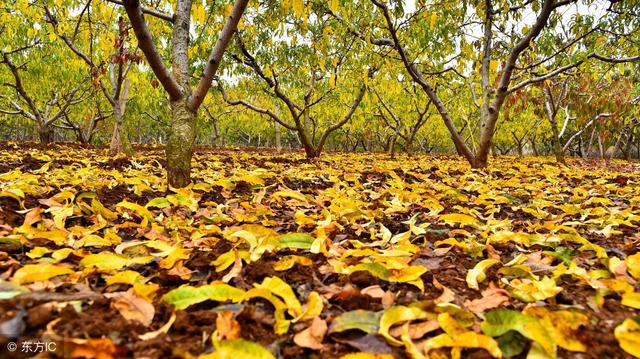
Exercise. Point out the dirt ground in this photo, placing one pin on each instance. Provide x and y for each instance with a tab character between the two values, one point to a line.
358	191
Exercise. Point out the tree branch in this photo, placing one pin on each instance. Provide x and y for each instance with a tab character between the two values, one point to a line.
216	54
145	42
152	12
253	107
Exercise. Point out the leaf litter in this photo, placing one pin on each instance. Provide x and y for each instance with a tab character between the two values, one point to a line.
349	256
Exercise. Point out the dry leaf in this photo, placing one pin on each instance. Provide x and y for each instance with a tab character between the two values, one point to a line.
416	330
491	298
312	336
132	307
227	326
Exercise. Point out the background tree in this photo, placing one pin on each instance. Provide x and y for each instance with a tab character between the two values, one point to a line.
317	74
504	56
102	44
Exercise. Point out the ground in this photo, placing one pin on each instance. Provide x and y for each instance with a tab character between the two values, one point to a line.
406	257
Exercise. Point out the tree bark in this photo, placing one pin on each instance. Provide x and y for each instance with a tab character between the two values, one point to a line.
552	112
179	148
278	141
45	133
120	140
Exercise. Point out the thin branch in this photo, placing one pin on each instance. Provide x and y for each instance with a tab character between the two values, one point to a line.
152	12
253	107
217	52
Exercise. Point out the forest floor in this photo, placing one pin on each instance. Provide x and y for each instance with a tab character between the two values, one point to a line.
406	257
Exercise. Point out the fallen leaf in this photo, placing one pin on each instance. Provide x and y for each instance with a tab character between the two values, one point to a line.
312	336
363	320
132	307
491	298
226	325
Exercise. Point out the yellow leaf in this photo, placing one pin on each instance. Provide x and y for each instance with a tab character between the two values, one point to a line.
238	348
633	265
176	253
38	272
136	208
531	290
396	315
367	356
458	218
37	252
112	261
334	5
312	309
280	288
288	262
289	194
186	296
631	299
477	274
628	335
298	8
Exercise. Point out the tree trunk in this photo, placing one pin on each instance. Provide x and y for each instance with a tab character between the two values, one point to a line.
180	144
557	148
216	134
600	146
45	133
534	147
310	150
550	106
120	140
278	142
627	146
408	145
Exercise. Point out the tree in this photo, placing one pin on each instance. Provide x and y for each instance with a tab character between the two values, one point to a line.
405	129
317	74
185	102
502	54
44	112
117	60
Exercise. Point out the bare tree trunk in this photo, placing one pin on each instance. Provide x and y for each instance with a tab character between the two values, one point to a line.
408	145
600	147
180	145
552	112
392	142
216	134
45	133
120	140
278	141
184	103
309	148
628	145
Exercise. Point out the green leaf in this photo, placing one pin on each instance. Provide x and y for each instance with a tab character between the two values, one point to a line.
512	343
11	241
159	202
500	321
186	296
295	240
364	320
